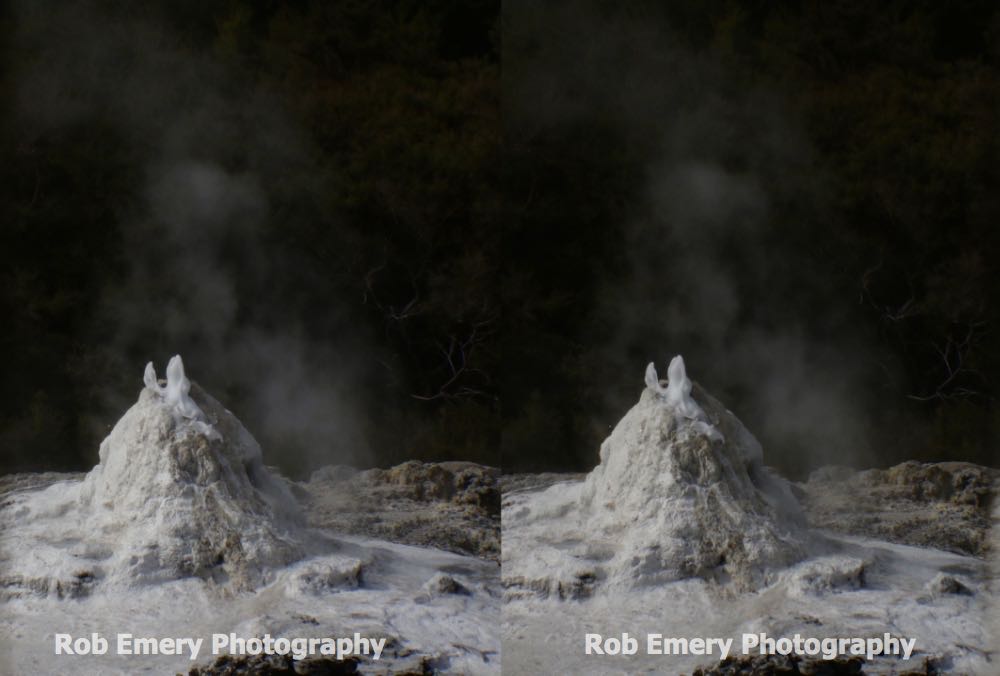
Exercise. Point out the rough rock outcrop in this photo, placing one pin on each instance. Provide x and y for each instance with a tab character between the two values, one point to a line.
773	665
275	665
450	505
943	505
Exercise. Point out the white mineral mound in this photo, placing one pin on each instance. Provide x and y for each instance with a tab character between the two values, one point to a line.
680	492
180	491
685	486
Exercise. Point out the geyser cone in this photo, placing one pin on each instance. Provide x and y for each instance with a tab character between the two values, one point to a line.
182	489
682	486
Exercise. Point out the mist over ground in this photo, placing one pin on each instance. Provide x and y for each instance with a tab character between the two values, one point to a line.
800	200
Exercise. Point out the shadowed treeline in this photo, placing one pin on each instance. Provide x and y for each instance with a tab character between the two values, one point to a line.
297	197
799	197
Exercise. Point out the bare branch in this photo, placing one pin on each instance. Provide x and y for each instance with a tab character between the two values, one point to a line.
456	358
954	354
390	312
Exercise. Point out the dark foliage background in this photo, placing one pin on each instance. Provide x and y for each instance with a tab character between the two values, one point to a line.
369	225
801	198
300	198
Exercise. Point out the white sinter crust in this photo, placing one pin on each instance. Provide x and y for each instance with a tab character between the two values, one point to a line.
176	393
180	491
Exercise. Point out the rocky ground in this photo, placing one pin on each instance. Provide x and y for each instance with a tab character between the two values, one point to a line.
943	505
912	545
448	506
277	665
510	483
771	665
776	665
181	530
453	506
13	483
